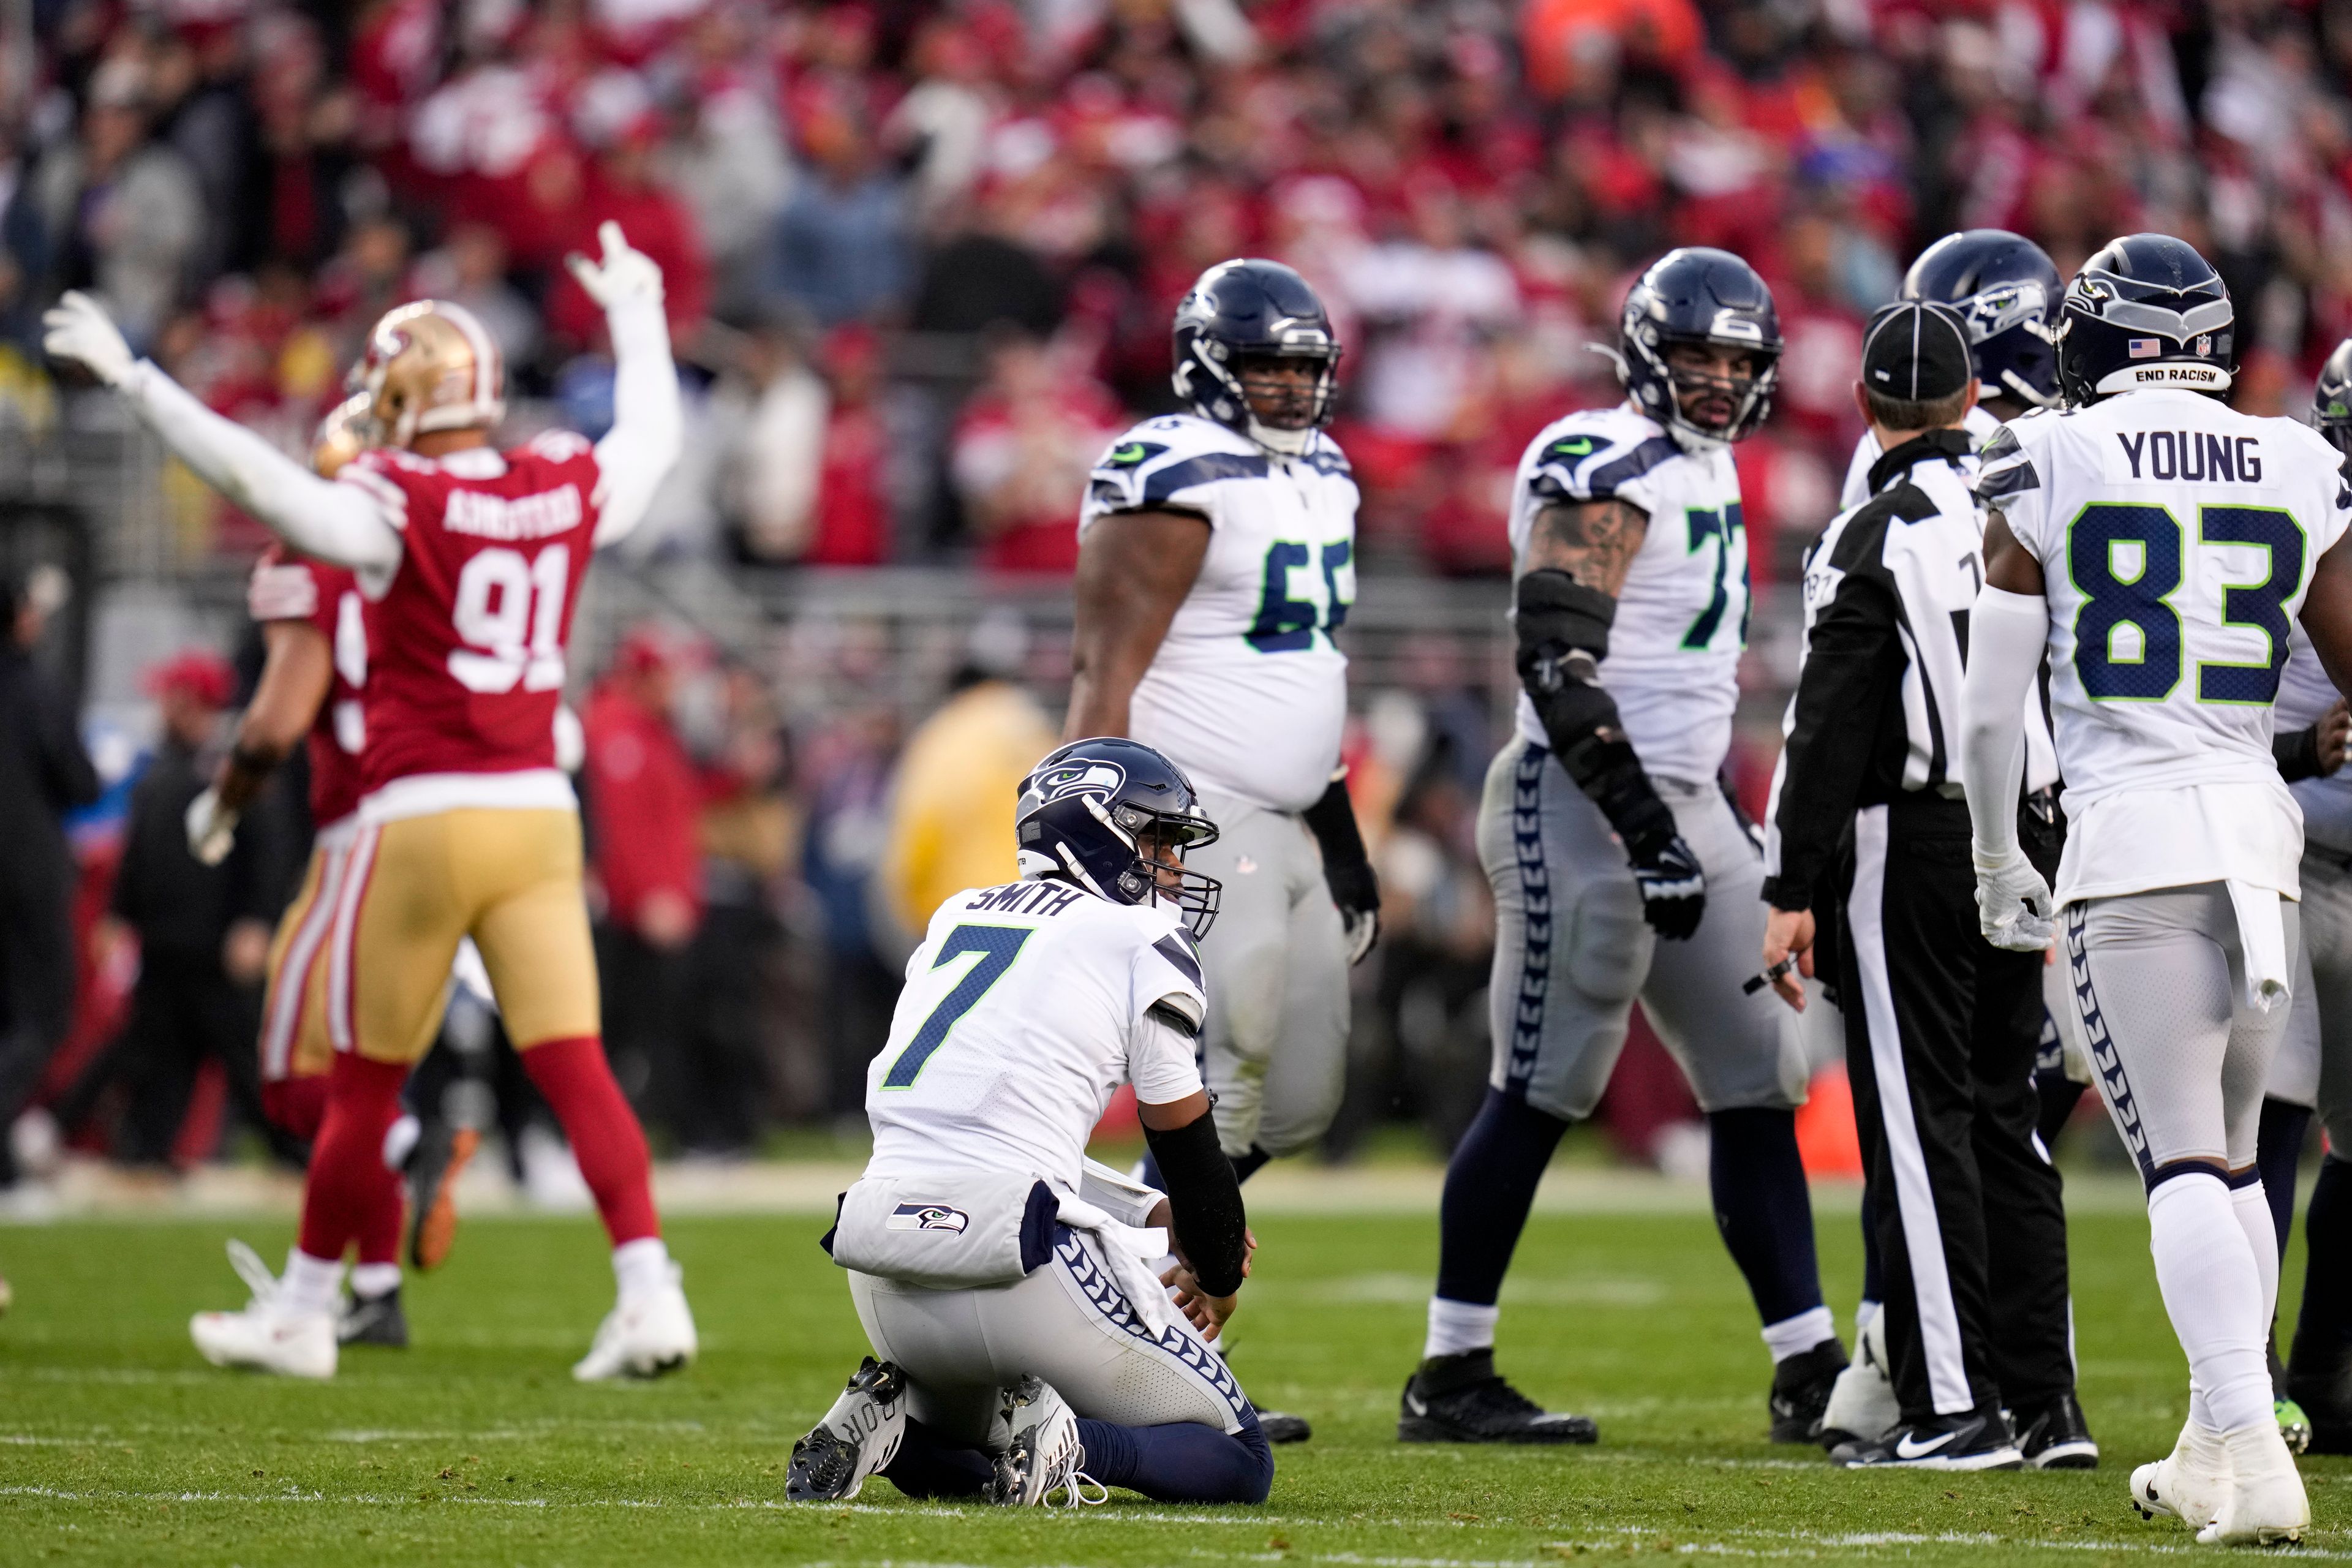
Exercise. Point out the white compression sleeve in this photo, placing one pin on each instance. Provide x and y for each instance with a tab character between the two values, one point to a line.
318	517
2006	636
648	421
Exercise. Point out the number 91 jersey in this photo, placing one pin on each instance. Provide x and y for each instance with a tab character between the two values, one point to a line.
469	636
1682	620
1247	693
2177	539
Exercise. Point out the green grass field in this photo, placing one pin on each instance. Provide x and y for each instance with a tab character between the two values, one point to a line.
117	1445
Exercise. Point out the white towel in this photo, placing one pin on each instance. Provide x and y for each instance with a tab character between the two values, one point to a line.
1125	1248
2262	936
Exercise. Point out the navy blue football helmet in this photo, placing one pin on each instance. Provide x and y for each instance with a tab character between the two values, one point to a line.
2145	311
1084	815
2006	289
1697	295
2331	402
1240	311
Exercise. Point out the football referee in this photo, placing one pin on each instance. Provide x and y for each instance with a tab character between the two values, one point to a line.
1940	1027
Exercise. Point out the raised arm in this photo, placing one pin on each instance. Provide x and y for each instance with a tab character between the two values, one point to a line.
1134	570
648	421
318	517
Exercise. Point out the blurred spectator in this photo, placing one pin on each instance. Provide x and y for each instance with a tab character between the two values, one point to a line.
126	212
469	268
643	798
952	804
802	469
840	249
619	118
43	774
1021	452
848	785
203	931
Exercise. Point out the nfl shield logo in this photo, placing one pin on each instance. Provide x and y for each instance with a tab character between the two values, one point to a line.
2205	345
2144	348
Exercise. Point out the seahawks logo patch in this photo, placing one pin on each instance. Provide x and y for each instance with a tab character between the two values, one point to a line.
927	1216
1132	453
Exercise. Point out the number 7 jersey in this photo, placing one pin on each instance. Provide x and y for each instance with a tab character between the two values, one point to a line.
469	636
2177	539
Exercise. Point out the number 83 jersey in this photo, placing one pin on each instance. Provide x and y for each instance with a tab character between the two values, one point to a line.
2177	539
1247	693
469	635
1682	620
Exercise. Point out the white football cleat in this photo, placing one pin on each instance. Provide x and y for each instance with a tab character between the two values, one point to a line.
1861	1401
858	1435
267	1336
2265	1503
2189	1483
1045	1454
644	1337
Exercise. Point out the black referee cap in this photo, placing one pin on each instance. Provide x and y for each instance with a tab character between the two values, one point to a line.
1915	350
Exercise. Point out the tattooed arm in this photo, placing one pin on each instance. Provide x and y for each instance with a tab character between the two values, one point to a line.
1592	540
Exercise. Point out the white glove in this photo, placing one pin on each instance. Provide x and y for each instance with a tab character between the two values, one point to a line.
211	830
2014	904
625	274
78	329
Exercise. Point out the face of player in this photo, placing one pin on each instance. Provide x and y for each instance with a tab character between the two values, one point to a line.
1711	381
1280	392
1166	855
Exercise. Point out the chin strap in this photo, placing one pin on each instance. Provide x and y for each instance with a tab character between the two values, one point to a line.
1283	443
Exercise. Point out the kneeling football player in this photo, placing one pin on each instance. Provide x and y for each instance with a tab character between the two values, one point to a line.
1027	1348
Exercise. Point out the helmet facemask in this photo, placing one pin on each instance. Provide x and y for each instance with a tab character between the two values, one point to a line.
1739	403
1282	412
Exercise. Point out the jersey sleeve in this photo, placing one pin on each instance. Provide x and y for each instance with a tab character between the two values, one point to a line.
2010	479
1166	464
1599	463
380	475
282	590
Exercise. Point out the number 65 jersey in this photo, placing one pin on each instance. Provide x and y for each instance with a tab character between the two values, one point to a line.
2177	539
1247	693
1024	1009
469	635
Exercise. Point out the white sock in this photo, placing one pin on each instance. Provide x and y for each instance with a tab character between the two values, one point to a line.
2253	1210
2213	1293
2200	1413
400	1140
1864	1311
642	1267
1455	1326
1795	1336
373	1279
310	1284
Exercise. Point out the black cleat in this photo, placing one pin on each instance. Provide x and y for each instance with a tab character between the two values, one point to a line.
1977	1441
1280	1426
434	1166
2052	1436
1800	1392
374	1320
1461	1399
2323	1396
858	1435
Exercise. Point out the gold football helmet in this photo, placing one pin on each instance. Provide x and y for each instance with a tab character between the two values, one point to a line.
430	365
348	430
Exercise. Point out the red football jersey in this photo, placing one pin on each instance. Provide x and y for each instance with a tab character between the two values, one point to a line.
466	645
291	588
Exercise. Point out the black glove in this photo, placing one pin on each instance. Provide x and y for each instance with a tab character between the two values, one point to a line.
1347	870
1674	888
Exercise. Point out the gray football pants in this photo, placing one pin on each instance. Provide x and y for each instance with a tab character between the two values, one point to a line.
2313	1067
1572	951
1069	1324
2179	1054
1274	1052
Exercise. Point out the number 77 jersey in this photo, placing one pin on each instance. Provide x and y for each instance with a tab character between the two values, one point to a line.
469	636
2177	539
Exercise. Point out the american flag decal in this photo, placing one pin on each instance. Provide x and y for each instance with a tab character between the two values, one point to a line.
2146	348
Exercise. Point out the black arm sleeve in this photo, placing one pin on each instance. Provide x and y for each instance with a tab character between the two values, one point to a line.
2297	751
1211	1224
1563	633
1851	654
1332	820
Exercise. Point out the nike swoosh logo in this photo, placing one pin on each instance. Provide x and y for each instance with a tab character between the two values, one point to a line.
1413	1404
1905	1450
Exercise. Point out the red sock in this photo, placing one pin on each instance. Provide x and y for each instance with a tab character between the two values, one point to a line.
295	1104
605	1138
347	1175
387	1207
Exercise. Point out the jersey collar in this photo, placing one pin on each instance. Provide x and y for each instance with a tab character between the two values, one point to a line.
1949	444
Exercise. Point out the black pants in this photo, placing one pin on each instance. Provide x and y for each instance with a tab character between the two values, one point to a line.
716	1092
36	994
1940	1035
182	1010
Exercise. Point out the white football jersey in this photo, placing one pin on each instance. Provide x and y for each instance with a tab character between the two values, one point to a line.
1247	693
1867	452
2304	693
1019	1020
2177	539
1681	621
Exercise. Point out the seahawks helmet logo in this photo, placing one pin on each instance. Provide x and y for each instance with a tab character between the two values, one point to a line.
927	1216
1996	310
1101	778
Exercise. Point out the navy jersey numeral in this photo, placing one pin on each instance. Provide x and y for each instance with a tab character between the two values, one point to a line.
997	946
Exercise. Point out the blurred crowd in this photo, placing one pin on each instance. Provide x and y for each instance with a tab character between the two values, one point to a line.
921	254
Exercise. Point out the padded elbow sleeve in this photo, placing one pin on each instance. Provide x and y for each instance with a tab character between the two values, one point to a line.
1212	1227
1563	633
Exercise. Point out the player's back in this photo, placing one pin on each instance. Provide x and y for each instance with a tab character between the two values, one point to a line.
327	598
2177	539
1682	619
468	637
1015	1028
1248	692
